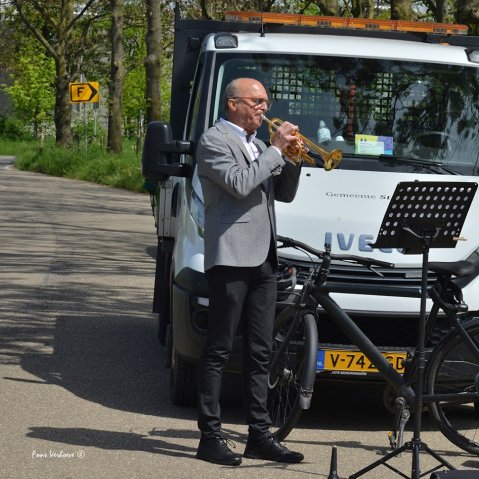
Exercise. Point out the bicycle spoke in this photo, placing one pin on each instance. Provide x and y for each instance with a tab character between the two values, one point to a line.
287	375
453	371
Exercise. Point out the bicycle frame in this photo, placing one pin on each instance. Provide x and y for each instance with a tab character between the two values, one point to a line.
448	372
439	375
400	383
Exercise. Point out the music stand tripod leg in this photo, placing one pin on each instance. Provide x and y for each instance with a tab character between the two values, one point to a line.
380	462
416	221
417	445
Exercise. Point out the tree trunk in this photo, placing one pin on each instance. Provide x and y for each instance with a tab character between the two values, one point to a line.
153	60
63	107
468	13
401	10
441	11
328	7
117	77
363	8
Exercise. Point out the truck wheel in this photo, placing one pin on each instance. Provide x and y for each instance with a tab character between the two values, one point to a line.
169	347
162	292
182	381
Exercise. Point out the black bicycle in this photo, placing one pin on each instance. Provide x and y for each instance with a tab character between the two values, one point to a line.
452	366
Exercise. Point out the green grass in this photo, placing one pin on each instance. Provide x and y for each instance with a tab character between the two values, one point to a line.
93	164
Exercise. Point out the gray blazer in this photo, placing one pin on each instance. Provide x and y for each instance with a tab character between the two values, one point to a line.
239	215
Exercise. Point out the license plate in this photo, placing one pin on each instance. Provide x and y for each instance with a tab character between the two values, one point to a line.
354	362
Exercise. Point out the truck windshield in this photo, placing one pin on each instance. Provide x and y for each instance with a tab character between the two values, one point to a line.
381	113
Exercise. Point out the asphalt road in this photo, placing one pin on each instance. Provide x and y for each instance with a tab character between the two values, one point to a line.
84	393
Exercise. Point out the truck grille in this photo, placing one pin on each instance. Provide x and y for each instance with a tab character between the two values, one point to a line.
353	275
384	329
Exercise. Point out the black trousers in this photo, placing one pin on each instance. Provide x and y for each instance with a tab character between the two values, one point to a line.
236	293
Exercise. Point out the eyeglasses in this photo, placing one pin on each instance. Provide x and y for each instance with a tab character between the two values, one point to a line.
257	102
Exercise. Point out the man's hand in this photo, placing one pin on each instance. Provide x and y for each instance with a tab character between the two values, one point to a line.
286	137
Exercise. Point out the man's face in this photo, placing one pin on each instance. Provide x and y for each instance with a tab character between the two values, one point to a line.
249	106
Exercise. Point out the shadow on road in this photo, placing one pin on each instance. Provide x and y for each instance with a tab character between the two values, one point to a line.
112	440
109	359
75	302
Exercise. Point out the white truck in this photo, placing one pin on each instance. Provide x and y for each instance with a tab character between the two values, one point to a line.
401	100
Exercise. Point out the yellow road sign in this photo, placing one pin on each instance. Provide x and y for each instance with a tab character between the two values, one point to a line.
86	92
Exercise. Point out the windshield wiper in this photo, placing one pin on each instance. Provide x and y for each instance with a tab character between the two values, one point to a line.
434	166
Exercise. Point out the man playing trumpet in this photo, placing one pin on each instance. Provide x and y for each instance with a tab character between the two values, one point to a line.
240	178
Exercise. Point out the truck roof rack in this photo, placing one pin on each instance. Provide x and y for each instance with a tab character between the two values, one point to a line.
347	23
264	23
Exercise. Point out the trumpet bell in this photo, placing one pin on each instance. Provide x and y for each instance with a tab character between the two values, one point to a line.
299	151
335	157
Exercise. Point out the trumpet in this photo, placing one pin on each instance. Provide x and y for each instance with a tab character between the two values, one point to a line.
299	151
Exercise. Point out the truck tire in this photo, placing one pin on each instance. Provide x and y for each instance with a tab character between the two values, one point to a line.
162	293
183	375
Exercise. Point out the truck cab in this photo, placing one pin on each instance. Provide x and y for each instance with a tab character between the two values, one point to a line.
401	103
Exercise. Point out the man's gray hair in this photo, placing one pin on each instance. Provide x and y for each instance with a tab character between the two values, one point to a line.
231	91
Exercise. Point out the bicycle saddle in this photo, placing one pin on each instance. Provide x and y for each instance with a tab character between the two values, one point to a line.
457	268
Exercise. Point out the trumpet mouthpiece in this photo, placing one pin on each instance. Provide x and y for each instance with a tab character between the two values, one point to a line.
267	120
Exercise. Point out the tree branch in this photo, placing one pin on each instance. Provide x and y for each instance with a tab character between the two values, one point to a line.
42	11
80	14
35	31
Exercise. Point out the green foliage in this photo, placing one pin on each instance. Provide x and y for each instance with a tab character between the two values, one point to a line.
12	128
133	99
17	148
94	165
32	91
93	129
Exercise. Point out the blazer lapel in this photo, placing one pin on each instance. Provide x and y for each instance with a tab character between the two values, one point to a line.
267	184
235	139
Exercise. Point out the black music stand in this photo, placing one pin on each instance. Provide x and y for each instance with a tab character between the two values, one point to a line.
420	216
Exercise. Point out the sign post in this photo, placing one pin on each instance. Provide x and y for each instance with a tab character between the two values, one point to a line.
85	92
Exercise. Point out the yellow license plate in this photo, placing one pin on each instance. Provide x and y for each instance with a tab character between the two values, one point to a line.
354	362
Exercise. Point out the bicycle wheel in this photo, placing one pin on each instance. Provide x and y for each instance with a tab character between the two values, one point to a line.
291	371
453	368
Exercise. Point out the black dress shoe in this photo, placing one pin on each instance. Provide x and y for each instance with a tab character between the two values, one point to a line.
215	449
270	449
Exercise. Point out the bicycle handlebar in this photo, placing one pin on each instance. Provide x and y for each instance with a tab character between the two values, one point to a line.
365	261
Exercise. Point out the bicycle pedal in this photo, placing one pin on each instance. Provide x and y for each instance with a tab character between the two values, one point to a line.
392	439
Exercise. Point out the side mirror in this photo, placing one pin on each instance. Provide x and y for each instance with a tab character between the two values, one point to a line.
161	153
